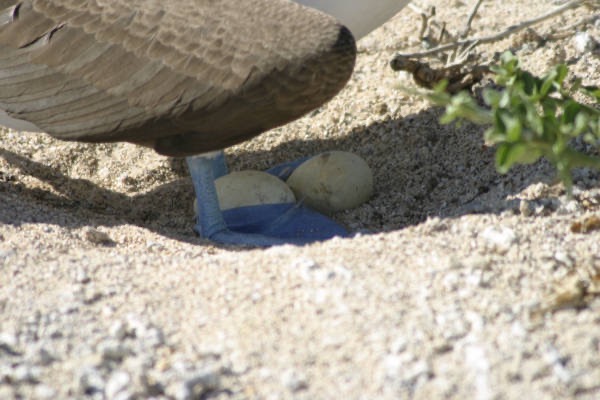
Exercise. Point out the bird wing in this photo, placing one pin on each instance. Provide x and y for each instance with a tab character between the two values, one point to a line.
140	70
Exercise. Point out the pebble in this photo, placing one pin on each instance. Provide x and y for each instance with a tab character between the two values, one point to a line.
82	276
526	208
417	371
118	330
584	42
399	345
499	239
154	245
564	258
97	237
196	385
569	207
6	253
25	374
39	356
293	380
44	392
117	384
113	351
558	363
91	381
8	344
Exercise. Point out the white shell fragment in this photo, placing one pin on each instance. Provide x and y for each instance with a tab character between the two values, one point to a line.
332	181
249	188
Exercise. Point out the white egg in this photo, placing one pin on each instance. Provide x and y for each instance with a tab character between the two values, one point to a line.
249	188
332	181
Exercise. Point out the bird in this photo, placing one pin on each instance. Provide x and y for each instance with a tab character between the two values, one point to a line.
187	78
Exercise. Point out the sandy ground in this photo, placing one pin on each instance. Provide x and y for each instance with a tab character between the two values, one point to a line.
462	283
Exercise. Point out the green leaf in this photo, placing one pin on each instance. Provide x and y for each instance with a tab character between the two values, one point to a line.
513	127
530	84
491	97
592	91
570	110
548	83
533	120
582	121
504	99
531	117
509	154
561	73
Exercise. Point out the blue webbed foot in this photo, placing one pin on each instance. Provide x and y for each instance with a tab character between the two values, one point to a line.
284	170
259	225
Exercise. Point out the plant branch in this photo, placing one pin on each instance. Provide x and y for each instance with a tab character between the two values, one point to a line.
467	27
501	35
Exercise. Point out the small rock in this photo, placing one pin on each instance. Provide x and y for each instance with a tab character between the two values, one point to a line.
8	344
398	345
558	363
570	292
91	295
569	207
294	380
197	385
97	237
154	337
135	326
451	281
118	330
392	366
113	351
586	225
499	239
91	381
6	253
117	384
417	371
82	276
564	258
154	246
584	42
382	108
39	356
442	346
25	374
526	208
44	392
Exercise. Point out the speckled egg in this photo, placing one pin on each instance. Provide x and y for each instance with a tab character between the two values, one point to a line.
332	181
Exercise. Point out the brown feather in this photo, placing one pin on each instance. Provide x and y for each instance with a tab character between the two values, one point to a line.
184	76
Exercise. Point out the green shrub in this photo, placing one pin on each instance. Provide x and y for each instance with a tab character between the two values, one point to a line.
530	117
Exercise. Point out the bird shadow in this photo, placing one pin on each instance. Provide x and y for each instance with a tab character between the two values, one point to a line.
421	169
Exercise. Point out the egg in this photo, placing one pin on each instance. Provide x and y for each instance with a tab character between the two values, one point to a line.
249	188
332	181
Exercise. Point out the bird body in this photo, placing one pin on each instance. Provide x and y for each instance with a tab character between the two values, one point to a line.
184	77
17	124
360	16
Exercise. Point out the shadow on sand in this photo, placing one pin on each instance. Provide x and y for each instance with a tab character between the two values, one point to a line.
421	169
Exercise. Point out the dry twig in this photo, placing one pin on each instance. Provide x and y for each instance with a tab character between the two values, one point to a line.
501	35
472	14
459	75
